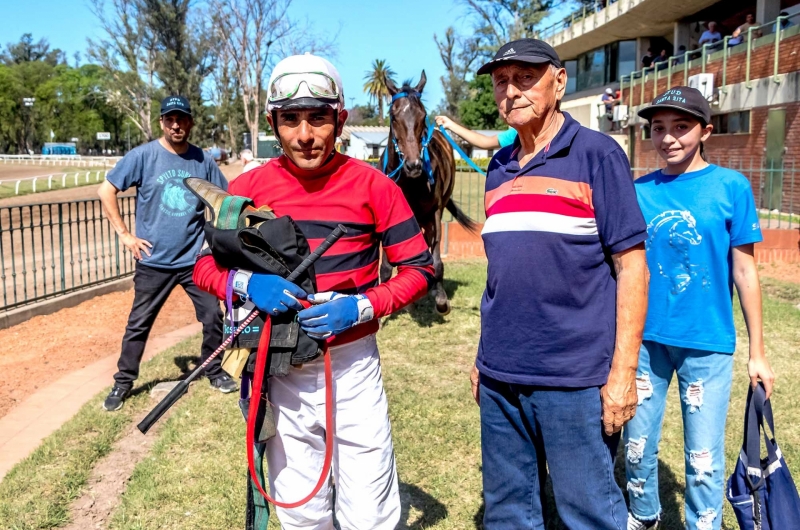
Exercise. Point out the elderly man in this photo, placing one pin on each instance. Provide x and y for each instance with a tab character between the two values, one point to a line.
564	306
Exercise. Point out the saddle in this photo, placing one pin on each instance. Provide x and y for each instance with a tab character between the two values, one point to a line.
240	236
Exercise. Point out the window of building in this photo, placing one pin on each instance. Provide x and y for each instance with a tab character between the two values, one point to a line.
626	62
592	69
645	132
572	72
732	122
601	66
375	151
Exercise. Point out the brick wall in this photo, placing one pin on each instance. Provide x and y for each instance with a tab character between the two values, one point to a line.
778	245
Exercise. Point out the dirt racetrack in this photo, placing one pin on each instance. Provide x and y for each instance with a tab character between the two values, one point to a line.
45	348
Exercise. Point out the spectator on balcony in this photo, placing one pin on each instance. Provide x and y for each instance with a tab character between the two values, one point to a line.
711	35
609	100
785	22
740	33
661	60
647	60
681	55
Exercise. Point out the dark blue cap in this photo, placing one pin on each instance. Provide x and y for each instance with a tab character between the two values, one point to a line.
683	99
532	51
176	104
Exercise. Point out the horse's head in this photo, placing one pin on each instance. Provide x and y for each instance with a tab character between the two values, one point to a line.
407	116
686	228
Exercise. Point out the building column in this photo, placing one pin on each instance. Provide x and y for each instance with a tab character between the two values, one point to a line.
681	35
642	43
767	10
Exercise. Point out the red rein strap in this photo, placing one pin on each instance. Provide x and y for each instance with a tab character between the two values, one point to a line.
258	380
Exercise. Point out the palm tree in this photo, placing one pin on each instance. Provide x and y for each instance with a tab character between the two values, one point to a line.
375	84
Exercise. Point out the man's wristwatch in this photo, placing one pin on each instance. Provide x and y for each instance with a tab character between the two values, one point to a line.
241	279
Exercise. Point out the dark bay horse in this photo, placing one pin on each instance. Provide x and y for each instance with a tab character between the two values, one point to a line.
421	161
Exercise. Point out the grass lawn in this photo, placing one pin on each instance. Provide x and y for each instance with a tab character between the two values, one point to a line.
195	474
8	186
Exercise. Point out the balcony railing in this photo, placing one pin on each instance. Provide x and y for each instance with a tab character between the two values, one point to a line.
771	34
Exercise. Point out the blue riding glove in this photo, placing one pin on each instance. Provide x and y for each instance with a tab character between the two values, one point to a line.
333	313
270	293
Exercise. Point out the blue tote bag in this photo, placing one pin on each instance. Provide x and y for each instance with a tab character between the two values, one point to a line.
761	490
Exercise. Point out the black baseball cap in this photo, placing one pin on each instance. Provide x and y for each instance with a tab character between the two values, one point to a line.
532	51
682	98
177	104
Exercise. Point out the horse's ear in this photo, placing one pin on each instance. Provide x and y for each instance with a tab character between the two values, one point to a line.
422	80
390	86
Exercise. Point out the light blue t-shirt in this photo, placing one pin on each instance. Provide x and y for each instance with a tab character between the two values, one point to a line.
168	215
507	137
693	222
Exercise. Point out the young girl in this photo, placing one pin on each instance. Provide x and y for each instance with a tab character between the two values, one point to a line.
702	225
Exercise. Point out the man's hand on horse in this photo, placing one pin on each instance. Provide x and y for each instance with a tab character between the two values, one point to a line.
332	313
136	245
273	295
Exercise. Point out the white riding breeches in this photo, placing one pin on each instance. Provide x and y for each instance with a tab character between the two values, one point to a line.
363	466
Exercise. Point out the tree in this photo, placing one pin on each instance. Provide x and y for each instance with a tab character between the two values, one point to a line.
362	115
458	55
494	22
184	57
129	54
479	110
26	51
250	35
375	84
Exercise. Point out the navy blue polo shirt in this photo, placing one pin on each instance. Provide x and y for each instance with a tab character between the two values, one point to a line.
548	315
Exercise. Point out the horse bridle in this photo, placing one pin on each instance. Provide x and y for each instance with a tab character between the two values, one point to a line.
426	139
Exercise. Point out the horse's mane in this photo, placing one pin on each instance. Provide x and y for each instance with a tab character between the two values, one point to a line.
409	89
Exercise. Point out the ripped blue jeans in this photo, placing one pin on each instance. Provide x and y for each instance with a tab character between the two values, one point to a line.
704	380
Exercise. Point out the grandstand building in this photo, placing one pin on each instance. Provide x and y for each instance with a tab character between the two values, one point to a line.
751	78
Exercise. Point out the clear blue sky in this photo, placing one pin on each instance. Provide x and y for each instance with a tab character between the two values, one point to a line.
400	32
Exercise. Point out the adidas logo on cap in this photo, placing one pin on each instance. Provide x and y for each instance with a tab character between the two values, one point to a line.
509	52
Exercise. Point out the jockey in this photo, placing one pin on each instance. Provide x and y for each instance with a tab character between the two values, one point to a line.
320	188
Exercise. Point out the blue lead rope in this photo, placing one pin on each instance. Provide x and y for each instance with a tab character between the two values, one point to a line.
460	151
426	157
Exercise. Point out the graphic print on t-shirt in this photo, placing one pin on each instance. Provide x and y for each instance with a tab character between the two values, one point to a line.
675	231
176	200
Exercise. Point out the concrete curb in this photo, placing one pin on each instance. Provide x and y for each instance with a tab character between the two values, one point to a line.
58	302
42	413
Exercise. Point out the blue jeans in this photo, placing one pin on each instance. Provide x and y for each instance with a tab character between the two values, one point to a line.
519	426
704	380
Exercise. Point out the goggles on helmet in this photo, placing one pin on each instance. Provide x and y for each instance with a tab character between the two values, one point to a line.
287	86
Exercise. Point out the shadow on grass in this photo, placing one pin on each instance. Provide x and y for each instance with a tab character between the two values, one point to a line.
423	311
669	487
432	511
185	363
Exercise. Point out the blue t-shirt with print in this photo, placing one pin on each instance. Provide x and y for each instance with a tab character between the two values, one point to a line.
507	137
168	215
693	222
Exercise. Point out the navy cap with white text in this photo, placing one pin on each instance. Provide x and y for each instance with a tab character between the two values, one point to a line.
681	98
175	104
532	51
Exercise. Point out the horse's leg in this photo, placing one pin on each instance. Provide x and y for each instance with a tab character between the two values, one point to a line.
440	295
386	268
